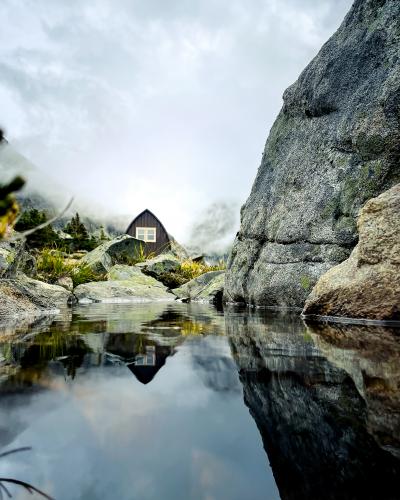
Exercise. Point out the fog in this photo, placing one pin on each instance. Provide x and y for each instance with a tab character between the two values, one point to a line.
157	104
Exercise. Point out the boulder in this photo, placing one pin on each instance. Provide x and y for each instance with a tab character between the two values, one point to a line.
66	282
334	145
367	284
28	264
23	296
122	272
120	250
11	257
208	287
125	284
161	267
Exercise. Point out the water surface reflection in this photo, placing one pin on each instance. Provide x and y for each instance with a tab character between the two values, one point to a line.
151	401
101	428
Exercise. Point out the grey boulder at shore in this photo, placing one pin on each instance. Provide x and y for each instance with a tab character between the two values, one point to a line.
208	287
367	285
23	296
159	267
117	251
334	145
125	284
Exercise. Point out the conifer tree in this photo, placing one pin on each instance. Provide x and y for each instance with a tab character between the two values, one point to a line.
77	229
42	237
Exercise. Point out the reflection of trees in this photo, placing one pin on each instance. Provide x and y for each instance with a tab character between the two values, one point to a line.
33	357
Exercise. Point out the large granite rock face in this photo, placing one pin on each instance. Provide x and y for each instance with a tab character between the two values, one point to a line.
367	285
334	145
120	250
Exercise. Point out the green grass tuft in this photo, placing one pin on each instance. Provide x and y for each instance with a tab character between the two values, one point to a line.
139	256
51	265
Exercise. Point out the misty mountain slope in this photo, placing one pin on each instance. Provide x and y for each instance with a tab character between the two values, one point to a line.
211	233
44	193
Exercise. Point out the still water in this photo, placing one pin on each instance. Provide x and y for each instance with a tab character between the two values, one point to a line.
181	401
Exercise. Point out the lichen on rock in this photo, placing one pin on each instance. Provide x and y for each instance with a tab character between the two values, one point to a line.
11	256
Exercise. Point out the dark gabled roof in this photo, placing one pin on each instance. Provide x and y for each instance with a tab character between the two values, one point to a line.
145	374
151	213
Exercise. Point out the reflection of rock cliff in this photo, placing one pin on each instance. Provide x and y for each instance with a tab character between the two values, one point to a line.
371	356
334	145
313	421
213	363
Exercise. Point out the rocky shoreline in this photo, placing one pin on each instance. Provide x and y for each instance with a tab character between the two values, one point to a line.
22	296
321	229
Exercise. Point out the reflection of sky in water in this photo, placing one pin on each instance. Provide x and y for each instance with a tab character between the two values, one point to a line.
104	435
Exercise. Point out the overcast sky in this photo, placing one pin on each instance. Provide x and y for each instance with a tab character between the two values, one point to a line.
164	104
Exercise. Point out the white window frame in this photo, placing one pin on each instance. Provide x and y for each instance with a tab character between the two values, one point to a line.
146	231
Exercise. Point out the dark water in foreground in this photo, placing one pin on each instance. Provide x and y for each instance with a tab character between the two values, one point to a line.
179	401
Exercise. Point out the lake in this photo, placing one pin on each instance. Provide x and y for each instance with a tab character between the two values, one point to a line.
173	401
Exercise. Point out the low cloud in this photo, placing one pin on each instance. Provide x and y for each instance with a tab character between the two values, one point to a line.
151	104
215	228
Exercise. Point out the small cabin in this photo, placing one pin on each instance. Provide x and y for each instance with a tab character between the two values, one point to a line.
148	228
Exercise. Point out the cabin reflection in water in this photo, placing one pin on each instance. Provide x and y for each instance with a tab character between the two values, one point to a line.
146	365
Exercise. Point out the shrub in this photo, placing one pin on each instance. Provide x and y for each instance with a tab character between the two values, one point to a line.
190	269
139	256
51	265
82	273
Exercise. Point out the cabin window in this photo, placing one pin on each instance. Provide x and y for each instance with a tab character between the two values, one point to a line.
148	359
147	234
140	360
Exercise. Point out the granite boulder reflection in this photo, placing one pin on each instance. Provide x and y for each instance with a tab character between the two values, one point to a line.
314	421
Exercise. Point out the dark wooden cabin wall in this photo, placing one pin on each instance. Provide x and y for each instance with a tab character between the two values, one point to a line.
147	219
